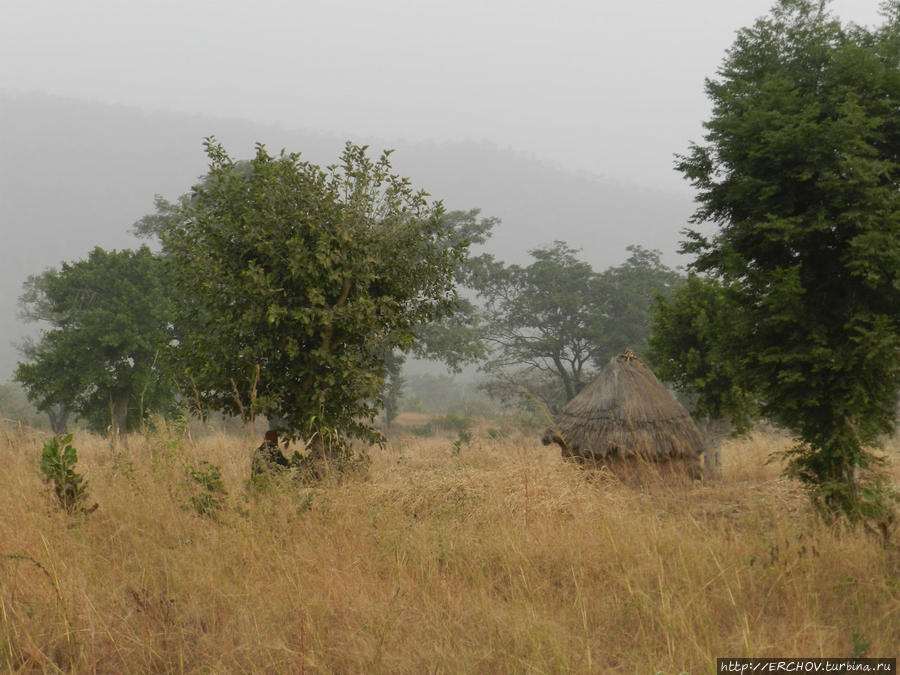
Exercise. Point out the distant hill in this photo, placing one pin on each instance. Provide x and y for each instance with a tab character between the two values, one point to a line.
77	174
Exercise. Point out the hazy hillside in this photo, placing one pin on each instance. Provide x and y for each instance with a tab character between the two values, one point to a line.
76	174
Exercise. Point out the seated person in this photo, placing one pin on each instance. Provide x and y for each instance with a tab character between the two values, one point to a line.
268	458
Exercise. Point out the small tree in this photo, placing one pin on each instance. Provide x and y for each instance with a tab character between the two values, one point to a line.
58	460
800	171
297	283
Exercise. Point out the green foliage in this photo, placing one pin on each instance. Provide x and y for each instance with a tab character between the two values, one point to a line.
422	430
693	346
458	423
860	645
458	340
800	171
630	291
109	322
862	497
297	283
209	491
463	438
58	460
552	323
544	319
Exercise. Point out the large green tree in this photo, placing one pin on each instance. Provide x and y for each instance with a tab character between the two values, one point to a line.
800	171
541	324
297	284
107	323
553	323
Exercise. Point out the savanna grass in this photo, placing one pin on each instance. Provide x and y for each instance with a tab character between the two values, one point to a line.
497	558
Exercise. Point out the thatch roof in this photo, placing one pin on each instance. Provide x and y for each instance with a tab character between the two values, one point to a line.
626	413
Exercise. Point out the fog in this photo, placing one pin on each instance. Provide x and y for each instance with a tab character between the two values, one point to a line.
611	88
560	118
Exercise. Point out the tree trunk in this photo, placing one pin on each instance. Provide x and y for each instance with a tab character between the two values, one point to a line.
714	431
118	416
59	418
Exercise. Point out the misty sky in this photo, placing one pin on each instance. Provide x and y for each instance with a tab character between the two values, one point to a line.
610	88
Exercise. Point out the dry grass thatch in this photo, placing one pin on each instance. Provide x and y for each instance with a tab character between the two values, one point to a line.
626	414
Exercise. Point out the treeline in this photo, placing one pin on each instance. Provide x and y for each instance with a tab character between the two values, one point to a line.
256	312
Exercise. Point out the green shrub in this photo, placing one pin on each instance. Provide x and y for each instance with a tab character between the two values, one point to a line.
464	438
58	461
208	488
457	423
423	430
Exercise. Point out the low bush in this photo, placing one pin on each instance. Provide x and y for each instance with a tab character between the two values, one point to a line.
58	460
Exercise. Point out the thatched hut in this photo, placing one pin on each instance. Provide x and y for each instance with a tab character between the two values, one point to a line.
626	419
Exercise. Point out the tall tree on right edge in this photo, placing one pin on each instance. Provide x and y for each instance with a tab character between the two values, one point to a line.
800	171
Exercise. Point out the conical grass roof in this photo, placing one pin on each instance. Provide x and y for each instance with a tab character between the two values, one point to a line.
626	413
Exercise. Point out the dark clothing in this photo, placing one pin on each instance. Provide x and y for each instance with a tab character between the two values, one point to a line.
268	459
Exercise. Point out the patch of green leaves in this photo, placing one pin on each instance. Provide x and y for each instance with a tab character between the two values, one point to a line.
464	438
209	491
422	430
58	460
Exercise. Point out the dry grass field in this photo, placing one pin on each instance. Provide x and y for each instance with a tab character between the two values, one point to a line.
497	558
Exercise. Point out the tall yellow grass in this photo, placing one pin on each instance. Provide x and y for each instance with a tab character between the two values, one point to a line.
498	558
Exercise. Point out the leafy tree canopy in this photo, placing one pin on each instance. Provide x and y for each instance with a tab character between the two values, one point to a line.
800	170
458	340
297	283
692	347
552	323
108	320
631	289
